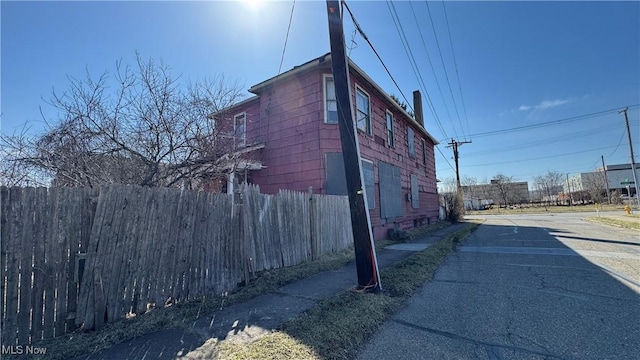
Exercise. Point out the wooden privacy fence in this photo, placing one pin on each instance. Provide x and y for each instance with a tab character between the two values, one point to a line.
80	257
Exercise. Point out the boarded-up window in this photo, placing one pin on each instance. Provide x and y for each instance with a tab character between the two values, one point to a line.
415	192
390	190
336	183
411	143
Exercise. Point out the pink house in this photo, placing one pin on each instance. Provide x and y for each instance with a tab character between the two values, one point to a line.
290	133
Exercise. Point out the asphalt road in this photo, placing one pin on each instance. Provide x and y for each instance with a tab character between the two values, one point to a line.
525	287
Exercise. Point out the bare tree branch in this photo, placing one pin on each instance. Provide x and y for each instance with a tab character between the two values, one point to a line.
135	127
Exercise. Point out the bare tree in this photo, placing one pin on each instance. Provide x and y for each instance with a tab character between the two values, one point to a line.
502	185
549	185
595	185
135	127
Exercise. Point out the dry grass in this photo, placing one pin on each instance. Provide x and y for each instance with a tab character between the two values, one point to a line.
336	327
528	209
324	332
180	315
633	222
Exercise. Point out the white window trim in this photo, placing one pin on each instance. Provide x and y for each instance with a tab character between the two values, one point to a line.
392	143
358	88
324	97
244	135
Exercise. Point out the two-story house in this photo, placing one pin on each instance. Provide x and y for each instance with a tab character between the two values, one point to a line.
291	128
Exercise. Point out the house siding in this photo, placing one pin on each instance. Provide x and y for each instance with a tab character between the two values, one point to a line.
289	120
290	116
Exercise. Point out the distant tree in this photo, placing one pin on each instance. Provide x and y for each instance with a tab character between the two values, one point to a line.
549	185
595	185
448	185
470	186
503	187
135	127
402	104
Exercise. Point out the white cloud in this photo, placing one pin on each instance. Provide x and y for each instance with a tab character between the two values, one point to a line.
550	103
546	104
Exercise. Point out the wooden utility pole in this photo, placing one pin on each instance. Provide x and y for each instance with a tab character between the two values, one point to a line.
455	144
606	179
366	261
633	161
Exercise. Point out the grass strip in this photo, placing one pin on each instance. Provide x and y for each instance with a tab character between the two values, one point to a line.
180	315
336	327
537	209
635	225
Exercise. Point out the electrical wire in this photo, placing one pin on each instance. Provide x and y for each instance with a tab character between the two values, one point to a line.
286	39
429	61
416	70
541	158
548	123
455	63
552	140
433	27
364	36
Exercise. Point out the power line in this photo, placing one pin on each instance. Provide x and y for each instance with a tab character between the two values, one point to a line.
541	157
548	123
433	27
430	62
455	63
286	39
552	140
412	61
364	36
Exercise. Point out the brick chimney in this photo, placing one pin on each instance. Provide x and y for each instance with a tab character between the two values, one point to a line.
417	107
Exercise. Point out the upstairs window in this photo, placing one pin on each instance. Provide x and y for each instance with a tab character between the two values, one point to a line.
330	102
411	142
240	129
389	117
363	113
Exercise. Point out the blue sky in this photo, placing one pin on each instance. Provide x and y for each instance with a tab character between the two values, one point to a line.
528	65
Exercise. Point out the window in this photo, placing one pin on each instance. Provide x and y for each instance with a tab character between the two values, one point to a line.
411	142
336	181
424	152
240	130
389	117
363	117
415	194
367	179
330	102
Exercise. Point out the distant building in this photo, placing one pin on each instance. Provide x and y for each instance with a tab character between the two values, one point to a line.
498	194
618	178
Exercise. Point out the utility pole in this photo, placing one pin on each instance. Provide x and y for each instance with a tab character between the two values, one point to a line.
366	261
455	144
606	179
633	162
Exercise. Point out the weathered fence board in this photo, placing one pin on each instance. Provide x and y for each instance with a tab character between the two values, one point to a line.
42	229
82	257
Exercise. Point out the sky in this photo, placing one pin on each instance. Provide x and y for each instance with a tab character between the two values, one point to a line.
534	86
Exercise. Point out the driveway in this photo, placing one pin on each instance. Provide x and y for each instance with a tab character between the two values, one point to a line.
525	287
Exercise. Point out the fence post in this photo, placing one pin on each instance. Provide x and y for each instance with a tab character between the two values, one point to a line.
313	225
